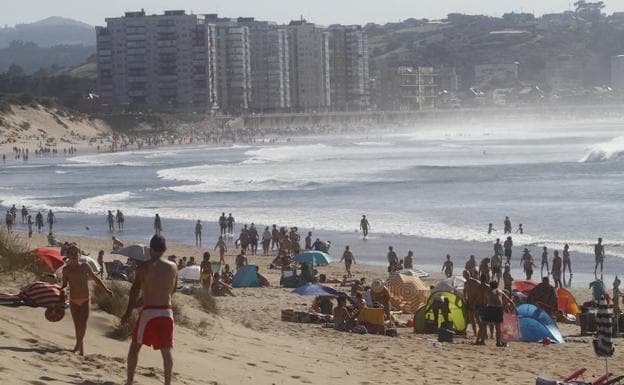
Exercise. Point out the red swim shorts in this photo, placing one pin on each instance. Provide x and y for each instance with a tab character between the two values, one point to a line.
154	327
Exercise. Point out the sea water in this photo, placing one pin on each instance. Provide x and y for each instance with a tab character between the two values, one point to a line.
430	189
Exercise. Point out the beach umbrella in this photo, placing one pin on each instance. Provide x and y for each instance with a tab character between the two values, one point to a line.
49	258
603	345
408	291
314	289
139	253
190	273
314	258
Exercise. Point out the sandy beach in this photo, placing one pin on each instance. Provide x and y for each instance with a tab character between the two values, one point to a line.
247	343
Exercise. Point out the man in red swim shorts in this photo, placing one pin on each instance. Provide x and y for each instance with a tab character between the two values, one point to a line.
157	280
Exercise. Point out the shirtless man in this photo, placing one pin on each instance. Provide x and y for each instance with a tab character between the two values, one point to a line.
198	233
110	219
348	259
275	235
157	280
222	224
222	249
241	260
229	222
527	264
408	261
76	274
496	302
343	319
471	266
393	260
556	269
545	262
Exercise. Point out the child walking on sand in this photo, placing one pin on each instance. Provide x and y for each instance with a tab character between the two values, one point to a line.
76	274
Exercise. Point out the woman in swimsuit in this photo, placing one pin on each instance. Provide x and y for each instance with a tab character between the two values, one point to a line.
76	274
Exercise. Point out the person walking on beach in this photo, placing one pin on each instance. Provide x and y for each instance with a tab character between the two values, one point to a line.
157	225
567	263
556	269
275	238
527	264
507	225
222	250
229	221
198	233
39	221
447	267
507	247
51	219
498	248
347	257
110	219
599	253
223	224
120	220
364	226
308	241
252	236
24	214
471	267
76	275
266	240
544	263
497	266
9	221
157	280
408	261
393	260
30	226
13	211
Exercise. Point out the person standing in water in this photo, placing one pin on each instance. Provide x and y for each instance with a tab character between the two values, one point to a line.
544	262
527	264
364	226
110	219
507	246
229	222
223	224
507	225
491	228
39	221
51	219
157	225
198	233
599	253
447	267
520	229
567	263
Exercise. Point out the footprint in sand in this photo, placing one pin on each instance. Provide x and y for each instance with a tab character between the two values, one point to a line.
31	340
251	364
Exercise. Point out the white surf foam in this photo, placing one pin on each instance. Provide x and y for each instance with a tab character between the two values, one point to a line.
612	150
100	203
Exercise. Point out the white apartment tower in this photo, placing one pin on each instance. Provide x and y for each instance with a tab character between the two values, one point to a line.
158	60
309	67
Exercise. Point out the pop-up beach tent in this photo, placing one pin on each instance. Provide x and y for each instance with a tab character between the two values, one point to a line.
246	276
536	324
457	316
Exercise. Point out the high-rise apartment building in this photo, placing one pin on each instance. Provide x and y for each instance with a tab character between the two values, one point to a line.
349	74
309	66
270	78
160	60
233	64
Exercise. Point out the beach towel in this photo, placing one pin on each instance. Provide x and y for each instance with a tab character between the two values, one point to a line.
37	294
374	316
510	328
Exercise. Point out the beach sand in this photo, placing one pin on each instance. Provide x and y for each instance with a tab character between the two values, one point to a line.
247	343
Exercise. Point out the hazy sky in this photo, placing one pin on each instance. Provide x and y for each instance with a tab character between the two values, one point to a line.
318	11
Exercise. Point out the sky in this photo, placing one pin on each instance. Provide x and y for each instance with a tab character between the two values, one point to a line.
323	12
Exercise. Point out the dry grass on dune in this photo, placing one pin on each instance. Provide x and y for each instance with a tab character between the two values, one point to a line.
116	305
206	300
14	254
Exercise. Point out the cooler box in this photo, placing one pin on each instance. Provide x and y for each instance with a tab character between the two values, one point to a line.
588	323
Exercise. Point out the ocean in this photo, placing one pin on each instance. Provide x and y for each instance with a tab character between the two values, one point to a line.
432	189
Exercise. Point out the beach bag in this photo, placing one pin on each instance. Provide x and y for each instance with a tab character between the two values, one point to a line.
510	329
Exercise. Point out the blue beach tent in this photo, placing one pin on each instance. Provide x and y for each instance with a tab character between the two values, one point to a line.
315	290
314	258
536	324
246	276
